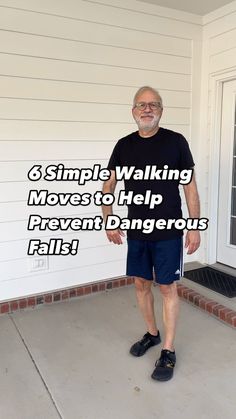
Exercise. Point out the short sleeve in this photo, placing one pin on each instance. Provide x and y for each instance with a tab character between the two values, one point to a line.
186	158
115	157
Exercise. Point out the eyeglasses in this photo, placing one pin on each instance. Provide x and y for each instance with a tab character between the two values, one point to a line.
141	106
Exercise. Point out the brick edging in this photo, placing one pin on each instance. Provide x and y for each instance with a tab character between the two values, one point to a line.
63	294
212	307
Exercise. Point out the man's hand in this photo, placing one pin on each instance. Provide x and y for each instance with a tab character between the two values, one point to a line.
114	236
192	241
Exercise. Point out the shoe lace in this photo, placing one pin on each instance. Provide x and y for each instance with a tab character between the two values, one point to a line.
165	361
145	340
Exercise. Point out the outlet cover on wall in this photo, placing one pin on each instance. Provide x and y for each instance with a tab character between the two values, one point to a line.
38	263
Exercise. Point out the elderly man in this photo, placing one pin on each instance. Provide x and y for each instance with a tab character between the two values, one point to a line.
161	250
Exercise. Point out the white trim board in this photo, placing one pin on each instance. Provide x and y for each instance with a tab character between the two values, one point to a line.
216	86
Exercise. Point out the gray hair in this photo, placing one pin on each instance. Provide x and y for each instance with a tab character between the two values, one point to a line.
144	89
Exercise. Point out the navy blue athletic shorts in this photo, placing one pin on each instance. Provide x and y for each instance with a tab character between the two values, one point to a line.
164	257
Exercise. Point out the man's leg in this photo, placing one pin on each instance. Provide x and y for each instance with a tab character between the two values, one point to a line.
170	313
164	367
146	303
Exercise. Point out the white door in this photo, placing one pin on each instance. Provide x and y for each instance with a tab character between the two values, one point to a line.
226	241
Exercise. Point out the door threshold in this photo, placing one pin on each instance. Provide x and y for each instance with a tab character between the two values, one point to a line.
224	268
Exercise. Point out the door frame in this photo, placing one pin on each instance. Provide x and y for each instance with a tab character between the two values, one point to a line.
216	87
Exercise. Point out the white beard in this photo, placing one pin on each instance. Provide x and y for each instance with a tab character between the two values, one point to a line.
147	125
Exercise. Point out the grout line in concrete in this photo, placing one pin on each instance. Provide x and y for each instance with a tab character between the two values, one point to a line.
36	367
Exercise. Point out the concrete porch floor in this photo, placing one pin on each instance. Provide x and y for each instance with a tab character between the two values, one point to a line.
71	360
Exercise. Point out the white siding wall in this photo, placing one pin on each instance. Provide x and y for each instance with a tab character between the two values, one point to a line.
219	58
68	72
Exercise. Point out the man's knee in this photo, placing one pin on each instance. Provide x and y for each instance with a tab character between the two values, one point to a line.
169	290
142	285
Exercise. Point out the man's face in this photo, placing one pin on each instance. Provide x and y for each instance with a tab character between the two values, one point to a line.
147	119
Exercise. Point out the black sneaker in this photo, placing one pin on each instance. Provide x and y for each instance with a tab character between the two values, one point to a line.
164	366
139	348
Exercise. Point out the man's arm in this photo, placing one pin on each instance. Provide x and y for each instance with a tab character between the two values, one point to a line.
192	240
109	187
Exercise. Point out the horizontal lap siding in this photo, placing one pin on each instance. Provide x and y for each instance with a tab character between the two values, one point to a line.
59	279
72	71
75	112
14	191
72	51
9	209
58	130
221	35
68	72
17	230
222	61
100	254
164	23
18	87
222	42
88	239
8	170
28	150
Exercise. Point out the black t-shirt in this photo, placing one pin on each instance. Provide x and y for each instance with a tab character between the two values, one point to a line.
164	148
